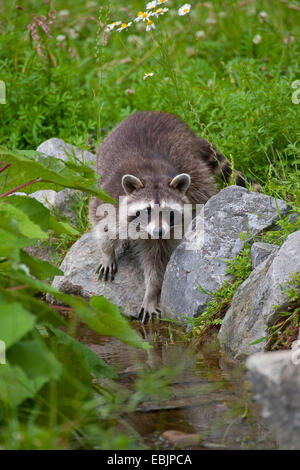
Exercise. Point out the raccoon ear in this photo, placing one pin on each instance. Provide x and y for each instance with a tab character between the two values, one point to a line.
181	182
131	183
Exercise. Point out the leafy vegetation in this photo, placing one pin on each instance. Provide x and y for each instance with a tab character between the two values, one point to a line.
285	329
48	377
224	68
238	269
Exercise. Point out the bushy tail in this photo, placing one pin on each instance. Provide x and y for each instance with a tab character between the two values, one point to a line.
222	168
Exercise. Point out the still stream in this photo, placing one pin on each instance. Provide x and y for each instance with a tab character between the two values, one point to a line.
207	403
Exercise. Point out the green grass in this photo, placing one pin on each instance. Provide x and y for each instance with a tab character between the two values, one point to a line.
210	320
285	329
238	270
233	92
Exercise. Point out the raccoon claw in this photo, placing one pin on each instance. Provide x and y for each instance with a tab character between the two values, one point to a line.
106	271
145	313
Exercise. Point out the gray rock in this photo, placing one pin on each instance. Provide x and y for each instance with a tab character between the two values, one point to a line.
79	267
46	197
275	380
293	217
65	203
58	148
44	251
252	309
62	200
232	211
260	251
243	323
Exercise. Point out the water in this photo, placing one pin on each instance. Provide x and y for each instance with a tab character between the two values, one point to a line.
208	404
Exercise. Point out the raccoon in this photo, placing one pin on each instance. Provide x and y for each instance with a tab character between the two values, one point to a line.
155	160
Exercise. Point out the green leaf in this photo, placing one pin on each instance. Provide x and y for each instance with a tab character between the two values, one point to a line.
10	245
96	365
54	170
39	268
15	386
37	361
104	318
61	227
41	215
34	305
260	340
15	322
75	385
109	322
100	315
17	222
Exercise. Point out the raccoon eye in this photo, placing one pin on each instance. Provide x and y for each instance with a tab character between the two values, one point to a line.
149	214
133	217
172	219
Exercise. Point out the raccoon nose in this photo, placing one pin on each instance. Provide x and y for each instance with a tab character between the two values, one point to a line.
158	232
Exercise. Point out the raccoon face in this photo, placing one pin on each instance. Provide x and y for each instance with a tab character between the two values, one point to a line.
155	205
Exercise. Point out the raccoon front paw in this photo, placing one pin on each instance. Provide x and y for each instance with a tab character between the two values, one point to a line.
107	269
148	309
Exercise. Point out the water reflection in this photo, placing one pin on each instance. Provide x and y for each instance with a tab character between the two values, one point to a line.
196	399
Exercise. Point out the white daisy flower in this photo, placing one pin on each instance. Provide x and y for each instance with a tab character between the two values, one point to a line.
142	16
151	5
184	10
63	13
124	26
200	34
150	25
263	15
159	2
257	39
147	75
72	33
111	26
210	21
60	38
159	11
139	17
